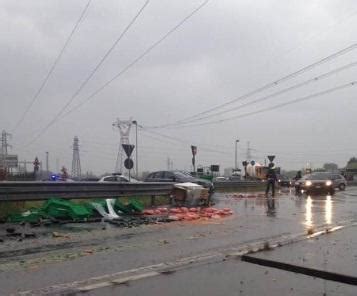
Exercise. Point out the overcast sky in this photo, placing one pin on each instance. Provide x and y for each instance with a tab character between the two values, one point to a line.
227	49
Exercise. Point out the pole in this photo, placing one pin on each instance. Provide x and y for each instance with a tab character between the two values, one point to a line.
47	167
236	158
136	151
129	174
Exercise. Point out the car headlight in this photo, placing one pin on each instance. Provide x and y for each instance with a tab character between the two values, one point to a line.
328	183
308	183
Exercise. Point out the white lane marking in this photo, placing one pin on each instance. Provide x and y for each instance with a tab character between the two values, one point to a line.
118	281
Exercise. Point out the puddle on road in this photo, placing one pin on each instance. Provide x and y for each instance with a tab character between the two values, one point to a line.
310	211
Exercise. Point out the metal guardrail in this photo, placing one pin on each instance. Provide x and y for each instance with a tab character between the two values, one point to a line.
30	191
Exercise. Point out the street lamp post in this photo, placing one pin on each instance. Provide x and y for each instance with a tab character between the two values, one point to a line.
136	150
236	159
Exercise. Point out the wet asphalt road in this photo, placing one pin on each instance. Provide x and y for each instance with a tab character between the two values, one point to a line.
88	251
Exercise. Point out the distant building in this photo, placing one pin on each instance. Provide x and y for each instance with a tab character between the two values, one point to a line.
351	168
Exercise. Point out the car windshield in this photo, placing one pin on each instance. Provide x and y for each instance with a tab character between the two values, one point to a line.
183	175
318	176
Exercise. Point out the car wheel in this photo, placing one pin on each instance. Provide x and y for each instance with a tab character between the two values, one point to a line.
332	191
342	187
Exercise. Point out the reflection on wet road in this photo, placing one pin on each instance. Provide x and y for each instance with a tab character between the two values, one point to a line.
328	210
310	211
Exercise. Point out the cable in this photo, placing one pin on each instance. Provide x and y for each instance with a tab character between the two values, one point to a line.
310	37
124	70
285	90
272	84
184	142
350	84
44	82
85	82
140	57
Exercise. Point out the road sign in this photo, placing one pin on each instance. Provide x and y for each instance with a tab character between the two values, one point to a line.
128	163
214	168
271	157
128	148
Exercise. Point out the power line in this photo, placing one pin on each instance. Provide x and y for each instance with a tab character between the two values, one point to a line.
183	142
298	100
44	82
85	82
272	84
278	93
140	57
310	37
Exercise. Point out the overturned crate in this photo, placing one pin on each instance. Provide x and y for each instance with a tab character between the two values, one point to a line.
190	194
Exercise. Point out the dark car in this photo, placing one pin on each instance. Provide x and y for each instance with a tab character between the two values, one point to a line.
316	183
339	181
178	177
283	181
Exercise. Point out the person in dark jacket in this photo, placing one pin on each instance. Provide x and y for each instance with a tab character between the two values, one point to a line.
271	179
296	178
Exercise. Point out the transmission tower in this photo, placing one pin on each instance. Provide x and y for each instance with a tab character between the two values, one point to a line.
124	127
4	146
76	163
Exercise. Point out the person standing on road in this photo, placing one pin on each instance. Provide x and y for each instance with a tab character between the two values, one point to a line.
296	184
298	176
271	179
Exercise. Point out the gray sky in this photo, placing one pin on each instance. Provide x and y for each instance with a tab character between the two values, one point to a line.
227	49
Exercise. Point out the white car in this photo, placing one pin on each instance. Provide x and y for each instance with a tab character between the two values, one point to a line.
118	178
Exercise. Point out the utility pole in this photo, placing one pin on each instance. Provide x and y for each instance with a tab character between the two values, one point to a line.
76	163
136	149
236	158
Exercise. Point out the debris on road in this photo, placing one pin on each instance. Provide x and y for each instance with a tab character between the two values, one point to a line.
237	195
53	209
163	242
189	214
56	234
190	194
64	210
